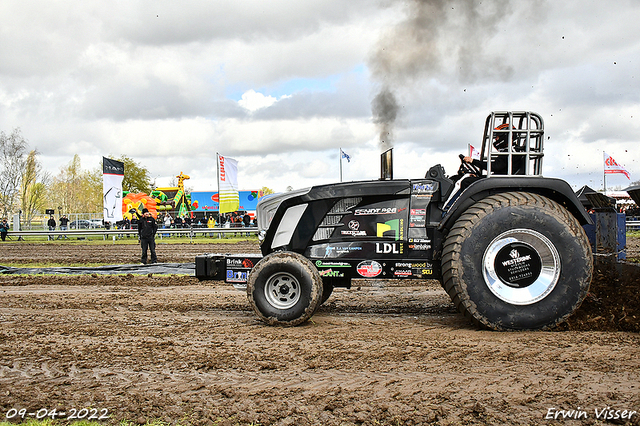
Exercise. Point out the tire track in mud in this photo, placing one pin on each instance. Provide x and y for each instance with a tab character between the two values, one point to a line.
173	348
392	368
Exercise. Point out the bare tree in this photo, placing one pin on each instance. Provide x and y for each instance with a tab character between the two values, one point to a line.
33	187
13	150
74	190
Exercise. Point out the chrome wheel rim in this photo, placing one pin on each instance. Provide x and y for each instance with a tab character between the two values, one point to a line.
521	266
282	290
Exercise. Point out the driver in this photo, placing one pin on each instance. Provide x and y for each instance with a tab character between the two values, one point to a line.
500	165
471	170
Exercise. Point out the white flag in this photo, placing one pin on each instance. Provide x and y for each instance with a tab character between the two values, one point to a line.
610	166
474	153
112	177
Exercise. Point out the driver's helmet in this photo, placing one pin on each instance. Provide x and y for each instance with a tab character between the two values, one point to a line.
501	140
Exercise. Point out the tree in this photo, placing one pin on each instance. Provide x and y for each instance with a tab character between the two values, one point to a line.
76	191
13	149
33	188
136	177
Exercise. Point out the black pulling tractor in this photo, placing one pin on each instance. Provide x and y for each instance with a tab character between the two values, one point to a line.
508	248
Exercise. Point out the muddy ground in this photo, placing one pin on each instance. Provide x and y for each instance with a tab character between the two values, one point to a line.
179	350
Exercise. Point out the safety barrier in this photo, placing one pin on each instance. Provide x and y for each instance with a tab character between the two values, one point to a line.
113	234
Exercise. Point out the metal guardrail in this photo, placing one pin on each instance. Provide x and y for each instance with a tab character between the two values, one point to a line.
108	234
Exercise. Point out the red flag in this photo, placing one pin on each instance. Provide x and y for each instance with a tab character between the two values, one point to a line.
610	166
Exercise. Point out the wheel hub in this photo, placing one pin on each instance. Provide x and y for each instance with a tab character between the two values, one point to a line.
521	266
518	265
282	290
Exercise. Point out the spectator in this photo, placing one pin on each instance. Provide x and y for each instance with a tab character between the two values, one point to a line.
52	226
246	220
211	223
178	223
4	229
147	228
126	224
64	225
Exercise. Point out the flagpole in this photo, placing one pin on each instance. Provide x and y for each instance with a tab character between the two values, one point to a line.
218	180
340	156
604	172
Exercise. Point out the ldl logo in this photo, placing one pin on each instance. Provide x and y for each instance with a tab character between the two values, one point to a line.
390	228
389	248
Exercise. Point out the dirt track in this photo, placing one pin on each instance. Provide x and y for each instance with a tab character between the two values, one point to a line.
177	349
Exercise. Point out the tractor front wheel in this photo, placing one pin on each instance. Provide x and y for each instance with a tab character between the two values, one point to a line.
284	288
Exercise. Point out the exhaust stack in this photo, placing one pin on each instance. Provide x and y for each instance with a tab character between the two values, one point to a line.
386	165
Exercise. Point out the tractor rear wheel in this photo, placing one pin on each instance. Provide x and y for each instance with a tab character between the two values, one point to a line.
517	261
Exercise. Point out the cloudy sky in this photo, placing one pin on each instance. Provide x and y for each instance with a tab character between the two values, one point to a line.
282	85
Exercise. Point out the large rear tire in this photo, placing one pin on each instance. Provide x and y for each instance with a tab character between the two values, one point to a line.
517	261
284	288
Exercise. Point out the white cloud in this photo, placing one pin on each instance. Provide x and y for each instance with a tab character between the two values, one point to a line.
253	101
283	85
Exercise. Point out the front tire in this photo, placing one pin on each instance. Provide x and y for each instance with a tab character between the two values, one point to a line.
285	289
517	261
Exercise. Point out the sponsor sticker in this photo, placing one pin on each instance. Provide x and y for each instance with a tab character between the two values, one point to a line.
354	233
412	265
377	211
518	265
389	248
331	273
392	228
369	269
331	251
322	264
236	276
424	187
420	247
240	263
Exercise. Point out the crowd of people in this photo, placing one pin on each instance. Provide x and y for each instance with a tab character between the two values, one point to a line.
164	220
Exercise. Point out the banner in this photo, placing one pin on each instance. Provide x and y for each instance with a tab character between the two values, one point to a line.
112	176
228	184
610	166
208	201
